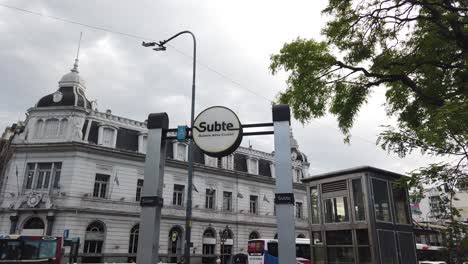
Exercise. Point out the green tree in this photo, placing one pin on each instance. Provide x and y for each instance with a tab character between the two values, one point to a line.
415	50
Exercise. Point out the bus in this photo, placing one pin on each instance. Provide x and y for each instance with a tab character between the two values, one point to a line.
30	249
265	251
430	254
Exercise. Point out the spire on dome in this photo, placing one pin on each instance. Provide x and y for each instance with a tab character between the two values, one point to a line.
293	141
75	65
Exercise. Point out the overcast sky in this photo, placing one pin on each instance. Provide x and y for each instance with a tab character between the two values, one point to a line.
234	44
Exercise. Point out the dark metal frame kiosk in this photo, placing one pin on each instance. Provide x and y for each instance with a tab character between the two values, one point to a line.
359	215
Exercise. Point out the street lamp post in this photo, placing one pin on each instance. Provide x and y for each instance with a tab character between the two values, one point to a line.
223	235
188	214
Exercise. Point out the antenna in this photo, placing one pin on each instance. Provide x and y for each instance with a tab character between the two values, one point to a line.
75	65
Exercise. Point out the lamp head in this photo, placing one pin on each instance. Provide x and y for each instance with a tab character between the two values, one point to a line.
148	44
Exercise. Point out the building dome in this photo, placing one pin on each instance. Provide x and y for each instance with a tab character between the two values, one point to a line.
71	92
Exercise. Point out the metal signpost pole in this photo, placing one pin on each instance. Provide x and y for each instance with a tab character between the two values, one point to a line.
151	200
284	197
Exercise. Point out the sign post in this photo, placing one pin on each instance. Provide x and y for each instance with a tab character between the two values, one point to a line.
284	196
151	200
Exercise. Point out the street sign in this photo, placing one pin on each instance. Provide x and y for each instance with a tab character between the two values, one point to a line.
181	133
217	131
66	233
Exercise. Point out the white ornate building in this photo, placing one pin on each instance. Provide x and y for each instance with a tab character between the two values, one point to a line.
71	167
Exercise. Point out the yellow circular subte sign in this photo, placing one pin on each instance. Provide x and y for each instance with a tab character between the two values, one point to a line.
217	131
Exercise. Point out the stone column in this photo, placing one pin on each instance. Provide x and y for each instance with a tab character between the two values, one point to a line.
13	224
50	224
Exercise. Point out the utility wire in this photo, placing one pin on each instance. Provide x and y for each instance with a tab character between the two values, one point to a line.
178	50
136	37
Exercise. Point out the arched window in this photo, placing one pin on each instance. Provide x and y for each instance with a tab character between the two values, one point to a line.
51	127
63	127
254	235
301	236
209	233
133	243
39	128
95	227
209	245
94	238
175	244
34	223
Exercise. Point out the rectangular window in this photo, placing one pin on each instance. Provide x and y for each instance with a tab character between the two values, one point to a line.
359	210
253	204
299	210
336	210
227	201
208	249
210	199
93	247
139	189
100	185
57	173
314	205
43	176
30	175
401	205
178	195
381	200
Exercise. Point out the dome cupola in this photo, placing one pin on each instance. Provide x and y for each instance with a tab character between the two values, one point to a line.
71	91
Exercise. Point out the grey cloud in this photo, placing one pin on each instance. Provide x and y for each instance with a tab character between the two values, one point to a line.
235	39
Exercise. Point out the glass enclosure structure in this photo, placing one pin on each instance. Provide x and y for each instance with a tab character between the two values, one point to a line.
359	215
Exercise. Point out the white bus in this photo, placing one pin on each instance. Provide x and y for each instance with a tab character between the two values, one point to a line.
265	251
430	254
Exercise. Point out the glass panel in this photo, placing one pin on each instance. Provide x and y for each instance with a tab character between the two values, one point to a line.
273	249
359	210
253	204
9	250
401	205
388	253
48	249
227	201
317	238
407	245
319	255
365	255
58	171
341	237
30	175
314	205
362	237
336	210
303	251
299	210
30	249
340	255
381	201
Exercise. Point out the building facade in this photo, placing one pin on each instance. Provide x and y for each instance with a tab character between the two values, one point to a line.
73	168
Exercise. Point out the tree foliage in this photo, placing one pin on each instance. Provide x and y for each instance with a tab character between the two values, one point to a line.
414	50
